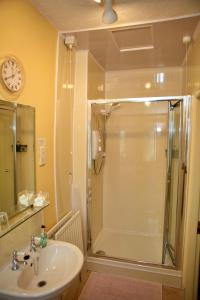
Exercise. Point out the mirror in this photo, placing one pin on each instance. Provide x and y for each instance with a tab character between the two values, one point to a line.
7	157
25	149
17	161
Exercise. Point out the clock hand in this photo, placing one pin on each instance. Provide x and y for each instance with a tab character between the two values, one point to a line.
11	76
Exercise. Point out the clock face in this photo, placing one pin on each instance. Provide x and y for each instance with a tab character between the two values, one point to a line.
12	75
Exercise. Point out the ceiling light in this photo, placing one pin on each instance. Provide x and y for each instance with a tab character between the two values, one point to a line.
109	15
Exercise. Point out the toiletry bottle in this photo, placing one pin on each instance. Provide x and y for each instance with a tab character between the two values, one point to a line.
43	237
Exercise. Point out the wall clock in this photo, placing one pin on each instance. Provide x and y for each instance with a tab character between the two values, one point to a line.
11	77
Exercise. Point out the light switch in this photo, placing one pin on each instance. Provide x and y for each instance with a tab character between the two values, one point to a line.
42	155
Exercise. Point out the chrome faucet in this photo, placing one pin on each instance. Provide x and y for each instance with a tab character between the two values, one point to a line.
15	261
34	254
15	265
33	245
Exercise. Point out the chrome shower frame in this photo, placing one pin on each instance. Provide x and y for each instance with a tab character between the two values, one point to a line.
184	144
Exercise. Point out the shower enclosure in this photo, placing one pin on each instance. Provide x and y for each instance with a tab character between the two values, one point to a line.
137	161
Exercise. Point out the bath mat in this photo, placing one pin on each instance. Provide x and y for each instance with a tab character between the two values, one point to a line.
101	286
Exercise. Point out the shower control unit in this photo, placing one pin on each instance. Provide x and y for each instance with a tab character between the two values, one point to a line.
97	145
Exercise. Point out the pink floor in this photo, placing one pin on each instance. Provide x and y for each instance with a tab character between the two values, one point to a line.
102	286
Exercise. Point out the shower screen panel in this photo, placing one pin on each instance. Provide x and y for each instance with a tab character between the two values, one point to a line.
131	208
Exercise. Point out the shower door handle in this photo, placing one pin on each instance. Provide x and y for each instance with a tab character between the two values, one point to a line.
184	169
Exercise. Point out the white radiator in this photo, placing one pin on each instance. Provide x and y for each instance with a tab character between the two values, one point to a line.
51	233
71	231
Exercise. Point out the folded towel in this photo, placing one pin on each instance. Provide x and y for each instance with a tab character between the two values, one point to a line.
23	200
40	199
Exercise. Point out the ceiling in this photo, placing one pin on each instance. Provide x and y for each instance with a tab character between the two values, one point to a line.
146	46
73	15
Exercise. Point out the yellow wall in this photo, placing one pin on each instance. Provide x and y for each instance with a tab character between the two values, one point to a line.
28	35
193	190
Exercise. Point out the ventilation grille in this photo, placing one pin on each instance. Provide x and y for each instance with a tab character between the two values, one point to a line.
133	39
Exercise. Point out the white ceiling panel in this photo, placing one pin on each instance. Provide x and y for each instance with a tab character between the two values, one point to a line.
165	37
68	15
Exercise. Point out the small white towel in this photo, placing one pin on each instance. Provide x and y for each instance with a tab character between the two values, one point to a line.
23	200
40	199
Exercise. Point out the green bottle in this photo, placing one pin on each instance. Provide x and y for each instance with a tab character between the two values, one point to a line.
43	237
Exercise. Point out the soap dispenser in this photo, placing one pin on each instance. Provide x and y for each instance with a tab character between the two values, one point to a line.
43	237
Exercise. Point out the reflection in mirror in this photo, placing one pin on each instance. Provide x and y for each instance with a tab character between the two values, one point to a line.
7	158
17	157
25	151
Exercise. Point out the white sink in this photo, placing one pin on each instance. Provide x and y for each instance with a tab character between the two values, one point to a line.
59	263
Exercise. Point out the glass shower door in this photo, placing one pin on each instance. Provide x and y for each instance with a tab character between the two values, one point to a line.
126	198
